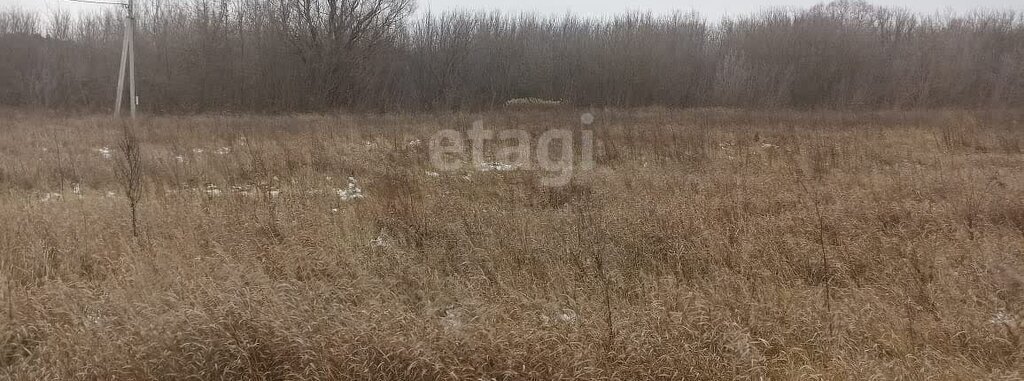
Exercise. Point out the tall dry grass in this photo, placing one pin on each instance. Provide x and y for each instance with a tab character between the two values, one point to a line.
706	244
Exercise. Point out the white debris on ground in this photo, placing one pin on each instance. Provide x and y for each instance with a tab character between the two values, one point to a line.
563	316
212	190
76	189
768	146
587	119
179	158
247	191
452	319
415	143
223	150
1003	318
566	316
382	241
106	152
433	174
495	166
352	192
253	191
198	151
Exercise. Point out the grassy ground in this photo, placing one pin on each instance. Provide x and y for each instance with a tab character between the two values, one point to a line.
707	244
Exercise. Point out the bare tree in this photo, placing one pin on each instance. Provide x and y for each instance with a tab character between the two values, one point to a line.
307	55
334	37
129	172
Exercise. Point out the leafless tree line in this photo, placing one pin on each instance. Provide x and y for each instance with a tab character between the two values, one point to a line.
374	55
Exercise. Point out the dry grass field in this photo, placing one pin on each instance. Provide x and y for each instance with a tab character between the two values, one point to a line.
705	244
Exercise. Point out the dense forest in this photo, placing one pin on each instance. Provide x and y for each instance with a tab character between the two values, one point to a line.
378	56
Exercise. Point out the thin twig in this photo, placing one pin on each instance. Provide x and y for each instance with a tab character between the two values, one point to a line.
824	256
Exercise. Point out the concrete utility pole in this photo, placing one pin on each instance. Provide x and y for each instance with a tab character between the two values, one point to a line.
127	54
127	59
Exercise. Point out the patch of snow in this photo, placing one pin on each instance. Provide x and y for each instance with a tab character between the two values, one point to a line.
106	152
531	101
52	196
495	166
247	191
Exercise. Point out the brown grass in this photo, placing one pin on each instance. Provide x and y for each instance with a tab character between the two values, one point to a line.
707	244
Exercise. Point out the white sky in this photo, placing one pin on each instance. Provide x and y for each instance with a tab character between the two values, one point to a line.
713	9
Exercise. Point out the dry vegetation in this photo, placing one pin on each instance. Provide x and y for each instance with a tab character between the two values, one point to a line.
707	244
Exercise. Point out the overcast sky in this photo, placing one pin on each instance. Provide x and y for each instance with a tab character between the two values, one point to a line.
713	9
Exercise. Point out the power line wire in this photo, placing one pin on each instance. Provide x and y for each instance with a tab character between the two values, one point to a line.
98	2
